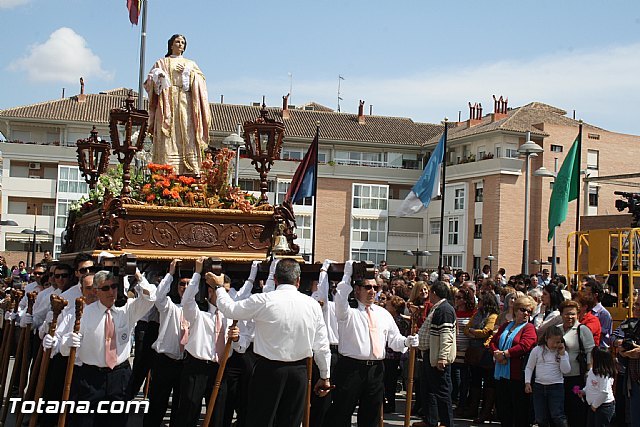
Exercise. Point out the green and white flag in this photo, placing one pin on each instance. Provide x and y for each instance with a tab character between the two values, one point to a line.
565	188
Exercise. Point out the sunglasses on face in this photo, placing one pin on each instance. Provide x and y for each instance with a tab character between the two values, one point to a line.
183	283
85	270
106	288
38	273
524	310
369	287
63	275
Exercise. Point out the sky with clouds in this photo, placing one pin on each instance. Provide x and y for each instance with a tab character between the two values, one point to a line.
421	59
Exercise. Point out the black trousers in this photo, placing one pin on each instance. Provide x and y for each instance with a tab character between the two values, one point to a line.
166	373
146	333
277	393
98	385
357	382
320	405
391	374
436	394
53	386
237	374
512	403
574	407
198	378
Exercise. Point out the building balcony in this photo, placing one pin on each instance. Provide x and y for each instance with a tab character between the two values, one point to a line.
492	166
29	187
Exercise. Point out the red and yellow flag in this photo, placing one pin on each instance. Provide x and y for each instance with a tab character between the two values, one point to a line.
134	7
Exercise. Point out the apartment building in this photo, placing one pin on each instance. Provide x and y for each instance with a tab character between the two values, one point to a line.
485	191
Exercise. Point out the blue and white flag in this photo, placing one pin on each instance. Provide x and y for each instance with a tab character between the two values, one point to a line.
427	187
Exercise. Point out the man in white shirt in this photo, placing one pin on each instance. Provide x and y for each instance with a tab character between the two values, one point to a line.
169	347
204	350
364	332
289	328
320	405
67	319
54	382
104	346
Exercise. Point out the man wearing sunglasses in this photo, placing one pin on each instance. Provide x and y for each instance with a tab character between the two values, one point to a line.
364	332
104	346
67	318
34	285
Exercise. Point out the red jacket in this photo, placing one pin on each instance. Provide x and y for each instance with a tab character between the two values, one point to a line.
592	322
522	344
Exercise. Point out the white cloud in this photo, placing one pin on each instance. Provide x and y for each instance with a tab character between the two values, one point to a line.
64	57
8	4
602	85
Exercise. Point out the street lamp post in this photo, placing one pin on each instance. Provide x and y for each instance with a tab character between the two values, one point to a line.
546	173
417	253
33	232
8	222
490	258
235	141
528	149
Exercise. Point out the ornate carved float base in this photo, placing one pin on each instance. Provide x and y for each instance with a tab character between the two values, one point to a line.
164	233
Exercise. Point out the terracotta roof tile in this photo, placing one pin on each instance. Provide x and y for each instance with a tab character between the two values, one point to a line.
301	124
520	119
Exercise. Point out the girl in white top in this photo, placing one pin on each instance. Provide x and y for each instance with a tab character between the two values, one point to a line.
550	361
598	390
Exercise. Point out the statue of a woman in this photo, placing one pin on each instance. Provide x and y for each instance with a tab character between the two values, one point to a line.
179	116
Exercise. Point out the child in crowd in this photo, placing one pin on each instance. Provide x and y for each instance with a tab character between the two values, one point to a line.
550	361
598	391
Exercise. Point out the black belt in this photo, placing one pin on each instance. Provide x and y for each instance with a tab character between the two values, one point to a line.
281	362
123	365
362	362
195	359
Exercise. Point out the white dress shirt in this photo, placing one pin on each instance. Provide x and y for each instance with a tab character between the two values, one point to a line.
247	327
24	302
170	331
288	325
42	306
353	326
92	348
202	324
328	307
69	296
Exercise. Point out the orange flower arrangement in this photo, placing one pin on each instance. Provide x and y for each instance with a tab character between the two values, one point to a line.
165	188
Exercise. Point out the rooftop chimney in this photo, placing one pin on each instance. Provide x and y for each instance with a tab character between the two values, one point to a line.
499	108
285	106
475	114
361	113
82	97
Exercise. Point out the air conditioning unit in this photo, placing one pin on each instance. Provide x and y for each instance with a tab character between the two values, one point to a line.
34	176
35	166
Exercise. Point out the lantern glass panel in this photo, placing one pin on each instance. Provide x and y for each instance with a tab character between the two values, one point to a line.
264	143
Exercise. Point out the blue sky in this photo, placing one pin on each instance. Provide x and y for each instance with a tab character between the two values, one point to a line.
416	59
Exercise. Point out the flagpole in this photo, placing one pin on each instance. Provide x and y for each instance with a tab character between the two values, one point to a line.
444	178
579	159
315	194
143	44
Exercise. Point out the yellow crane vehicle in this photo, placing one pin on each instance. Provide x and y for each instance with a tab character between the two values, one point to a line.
612	256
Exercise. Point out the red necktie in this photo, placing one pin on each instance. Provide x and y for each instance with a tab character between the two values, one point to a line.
111	355
378	351
219	336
